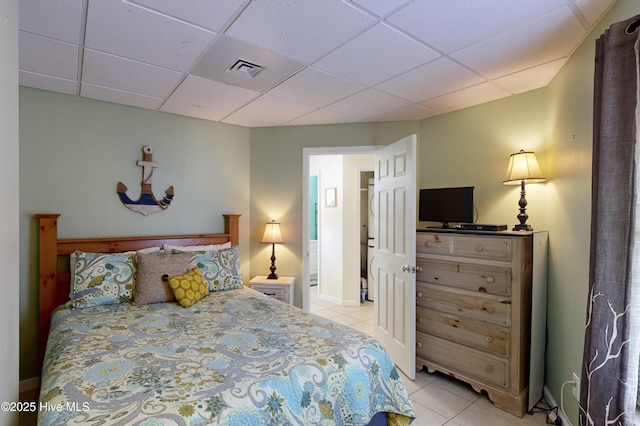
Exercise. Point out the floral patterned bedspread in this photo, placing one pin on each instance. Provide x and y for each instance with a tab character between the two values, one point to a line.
234	358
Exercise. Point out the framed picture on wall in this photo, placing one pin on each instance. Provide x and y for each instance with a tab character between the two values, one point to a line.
330	197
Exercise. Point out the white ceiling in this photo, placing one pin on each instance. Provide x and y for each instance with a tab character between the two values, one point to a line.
324	61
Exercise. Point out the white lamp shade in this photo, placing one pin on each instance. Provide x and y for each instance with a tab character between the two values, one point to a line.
272	234
523	165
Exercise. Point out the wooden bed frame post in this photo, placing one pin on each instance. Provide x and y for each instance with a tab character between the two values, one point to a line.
48	224
231	227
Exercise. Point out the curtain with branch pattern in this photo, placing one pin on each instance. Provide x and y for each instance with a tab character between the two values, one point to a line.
612	339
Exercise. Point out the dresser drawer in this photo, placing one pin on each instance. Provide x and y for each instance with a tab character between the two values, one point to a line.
481	366
482	278
434	243
476	334
483	248
473	305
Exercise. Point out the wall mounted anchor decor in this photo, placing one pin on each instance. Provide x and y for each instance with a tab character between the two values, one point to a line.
147	203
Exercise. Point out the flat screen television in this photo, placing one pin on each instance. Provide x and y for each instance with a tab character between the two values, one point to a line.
446	205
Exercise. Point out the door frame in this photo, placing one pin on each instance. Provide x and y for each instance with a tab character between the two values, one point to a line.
306	155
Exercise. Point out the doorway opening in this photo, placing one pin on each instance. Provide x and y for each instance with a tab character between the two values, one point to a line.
336	221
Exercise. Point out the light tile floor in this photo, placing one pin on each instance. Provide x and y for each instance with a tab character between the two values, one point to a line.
438	399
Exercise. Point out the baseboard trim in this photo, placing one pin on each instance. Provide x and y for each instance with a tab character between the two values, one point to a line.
341	302
552	402
29	384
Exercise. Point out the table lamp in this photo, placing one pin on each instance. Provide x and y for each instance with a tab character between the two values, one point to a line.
523	168
273	236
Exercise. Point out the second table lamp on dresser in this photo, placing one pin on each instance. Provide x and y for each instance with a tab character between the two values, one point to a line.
273	236
523	168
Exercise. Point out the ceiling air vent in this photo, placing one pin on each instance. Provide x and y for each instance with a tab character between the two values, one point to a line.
245	69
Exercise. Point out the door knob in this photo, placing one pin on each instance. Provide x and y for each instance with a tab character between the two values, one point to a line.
410	268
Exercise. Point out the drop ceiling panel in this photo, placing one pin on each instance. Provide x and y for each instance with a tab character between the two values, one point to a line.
59	19
226	51
301	30
268	110
543	40
119	97
465	98
368	104
323	116
210	14
208	99
433	79
410	112
377	55
48	56
132	32
532	78
118	73
316	88
453	24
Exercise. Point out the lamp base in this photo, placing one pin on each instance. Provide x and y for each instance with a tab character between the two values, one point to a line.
272	276
522	227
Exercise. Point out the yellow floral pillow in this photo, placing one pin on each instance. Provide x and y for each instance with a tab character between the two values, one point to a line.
189	288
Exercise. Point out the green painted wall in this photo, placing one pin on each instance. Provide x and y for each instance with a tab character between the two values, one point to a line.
74	151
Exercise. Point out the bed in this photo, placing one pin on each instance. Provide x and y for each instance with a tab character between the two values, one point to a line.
233	356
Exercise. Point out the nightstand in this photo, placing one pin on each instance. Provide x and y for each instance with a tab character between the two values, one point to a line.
281	289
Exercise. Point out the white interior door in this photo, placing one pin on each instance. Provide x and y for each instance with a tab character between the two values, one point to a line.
395	304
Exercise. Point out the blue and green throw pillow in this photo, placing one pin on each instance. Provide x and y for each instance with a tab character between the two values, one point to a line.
102	278
220	268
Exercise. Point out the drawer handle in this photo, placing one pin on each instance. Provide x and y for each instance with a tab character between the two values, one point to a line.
418	344
490	309
489	339
489	369
419	294
418	319
429	243
479	248
490	279
268	294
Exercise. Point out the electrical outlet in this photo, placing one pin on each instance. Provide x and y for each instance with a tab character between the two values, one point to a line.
576	387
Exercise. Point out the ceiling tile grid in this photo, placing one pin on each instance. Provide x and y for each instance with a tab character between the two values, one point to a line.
299	62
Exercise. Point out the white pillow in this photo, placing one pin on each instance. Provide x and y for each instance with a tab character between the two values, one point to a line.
209	247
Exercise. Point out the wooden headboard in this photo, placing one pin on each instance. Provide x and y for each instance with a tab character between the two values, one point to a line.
54	274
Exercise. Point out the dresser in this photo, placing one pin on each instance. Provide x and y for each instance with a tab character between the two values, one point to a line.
281	288
480	311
